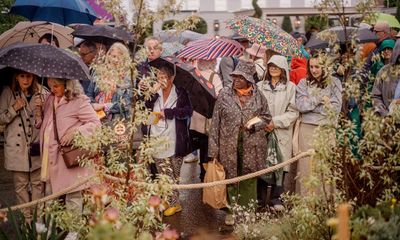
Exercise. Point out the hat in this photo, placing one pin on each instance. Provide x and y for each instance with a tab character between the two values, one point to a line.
382	27
256	50
388	43
281	62
245	69
78	41
239	38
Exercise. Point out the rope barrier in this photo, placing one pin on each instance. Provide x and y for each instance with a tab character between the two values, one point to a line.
175	186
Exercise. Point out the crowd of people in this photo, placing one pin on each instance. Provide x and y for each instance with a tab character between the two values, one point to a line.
259	93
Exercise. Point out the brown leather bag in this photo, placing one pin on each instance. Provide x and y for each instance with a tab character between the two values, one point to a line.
70	153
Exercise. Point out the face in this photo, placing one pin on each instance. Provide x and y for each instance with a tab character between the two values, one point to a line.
299	41
387	53
274	71
86	54
239	82
153	48
114	56
381	35
56	88
165	80
24	80
315	68
46	42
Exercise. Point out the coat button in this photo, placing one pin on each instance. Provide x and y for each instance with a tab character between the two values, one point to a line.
30	125
20	125
17	144
28	120
31	116
19	135
29	135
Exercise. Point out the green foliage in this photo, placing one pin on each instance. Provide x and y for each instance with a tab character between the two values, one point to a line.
169	24
398	9
380	222
200	26
317	22
7	20
257	10
287	24
390	3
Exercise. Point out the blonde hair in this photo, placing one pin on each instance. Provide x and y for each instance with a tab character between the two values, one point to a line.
121	48
73	88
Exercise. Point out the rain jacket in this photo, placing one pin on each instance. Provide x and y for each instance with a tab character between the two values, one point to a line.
228	120
309	101
298	70
385	84
282	106
15	146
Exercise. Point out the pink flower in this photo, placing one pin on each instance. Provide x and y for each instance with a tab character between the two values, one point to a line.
168	234
3	216
154	201
111	215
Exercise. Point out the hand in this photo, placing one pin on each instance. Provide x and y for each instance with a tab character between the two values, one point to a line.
98	106
326	100
66	140
270	127
19	103
143	86
156	87
162	115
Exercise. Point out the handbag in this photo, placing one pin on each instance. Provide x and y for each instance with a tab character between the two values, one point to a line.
70	154
34	149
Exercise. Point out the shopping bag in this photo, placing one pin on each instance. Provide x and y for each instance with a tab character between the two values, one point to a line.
214	196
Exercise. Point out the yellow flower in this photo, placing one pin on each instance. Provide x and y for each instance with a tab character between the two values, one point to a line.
332	222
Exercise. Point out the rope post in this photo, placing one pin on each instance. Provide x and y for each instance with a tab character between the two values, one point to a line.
343	218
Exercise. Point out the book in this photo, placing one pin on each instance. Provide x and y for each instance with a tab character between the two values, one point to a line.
252	122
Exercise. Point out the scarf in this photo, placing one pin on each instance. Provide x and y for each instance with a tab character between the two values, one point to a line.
244	92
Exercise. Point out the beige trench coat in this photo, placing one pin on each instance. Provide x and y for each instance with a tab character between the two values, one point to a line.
16	146
282	106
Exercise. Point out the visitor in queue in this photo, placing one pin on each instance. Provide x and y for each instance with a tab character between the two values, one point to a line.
280	93
21	112
315	95
73	114
237	137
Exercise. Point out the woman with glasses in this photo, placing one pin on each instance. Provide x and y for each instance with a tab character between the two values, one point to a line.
171	110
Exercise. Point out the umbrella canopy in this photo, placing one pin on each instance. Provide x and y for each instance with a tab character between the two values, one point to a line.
171	48
30	32
265	33
212	48
384	17
63	12
44	61
361	35
98	7
103	34
201	92
181	37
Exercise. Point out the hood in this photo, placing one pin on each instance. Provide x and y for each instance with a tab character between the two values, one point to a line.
298	63
388	43
281	62
396	52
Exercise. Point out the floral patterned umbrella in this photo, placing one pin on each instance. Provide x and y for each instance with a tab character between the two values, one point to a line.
265	33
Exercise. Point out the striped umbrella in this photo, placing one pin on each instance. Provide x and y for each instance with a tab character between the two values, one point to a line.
212	48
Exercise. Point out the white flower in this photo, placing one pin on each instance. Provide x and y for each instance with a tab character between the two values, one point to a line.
40	228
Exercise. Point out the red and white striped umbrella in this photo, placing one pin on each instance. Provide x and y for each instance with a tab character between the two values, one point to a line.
212	48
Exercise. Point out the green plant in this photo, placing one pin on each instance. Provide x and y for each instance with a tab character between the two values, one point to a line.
316	22
257	9
7	20
200	26
287	24
169	24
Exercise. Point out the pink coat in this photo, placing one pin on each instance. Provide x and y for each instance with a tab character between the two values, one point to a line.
75	113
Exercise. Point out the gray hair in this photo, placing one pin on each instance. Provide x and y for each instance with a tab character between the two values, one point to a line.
73	88
152	38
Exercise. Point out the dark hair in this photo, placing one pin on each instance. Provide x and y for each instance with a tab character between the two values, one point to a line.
49	38
34	88
311	79
89	44
167	69
283	77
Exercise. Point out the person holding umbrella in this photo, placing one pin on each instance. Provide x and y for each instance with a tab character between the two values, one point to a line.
173	110
237	137
20	111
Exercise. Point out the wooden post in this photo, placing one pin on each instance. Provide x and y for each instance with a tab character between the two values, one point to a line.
343	218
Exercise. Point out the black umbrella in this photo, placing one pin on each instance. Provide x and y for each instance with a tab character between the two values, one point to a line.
103	34
44	61
361	35
201	92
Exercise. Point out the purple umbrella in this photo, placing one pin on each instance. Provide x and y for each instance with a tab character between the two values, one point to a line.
99	9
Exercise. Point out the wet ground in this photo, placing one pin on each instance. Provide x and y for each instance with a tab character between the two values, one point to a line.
197	221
